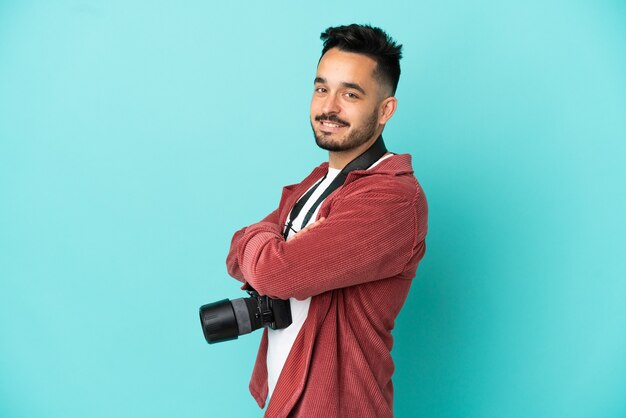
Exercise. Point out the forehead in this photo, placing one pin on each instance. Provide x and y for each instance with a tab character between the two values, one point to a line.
338	66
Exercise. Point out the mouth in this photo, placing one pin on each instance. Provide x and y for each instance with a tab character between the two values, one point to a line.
331	126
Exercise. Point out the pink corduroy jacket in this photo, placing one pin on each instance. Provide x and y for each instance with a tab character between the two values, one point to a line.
358	266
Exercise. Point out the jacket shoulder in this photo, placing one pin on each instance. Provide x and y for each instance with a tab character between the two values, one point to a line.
394	177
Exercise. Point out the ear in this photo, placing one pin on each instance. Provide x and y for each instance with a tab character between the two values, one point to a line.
386	109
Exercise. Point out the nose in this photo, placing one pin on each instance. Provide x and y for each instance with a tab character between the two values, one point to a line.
331	105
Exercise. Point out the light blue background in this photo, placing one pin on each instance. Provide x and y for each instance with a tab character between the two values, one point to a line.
137	136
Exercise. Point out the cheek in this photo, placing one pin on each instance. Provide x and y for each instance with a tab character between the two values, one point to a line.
355	115
367	114
316	105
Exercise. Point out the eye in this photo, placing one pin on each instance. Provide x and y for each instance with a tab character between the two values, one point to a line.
350	95
320	90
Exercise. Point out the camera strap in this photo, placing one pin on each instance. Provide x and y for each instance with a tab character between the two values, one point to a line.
362	162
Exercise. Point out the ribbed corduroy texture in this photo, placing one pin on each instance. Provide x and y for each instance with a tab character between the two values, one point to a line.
358	265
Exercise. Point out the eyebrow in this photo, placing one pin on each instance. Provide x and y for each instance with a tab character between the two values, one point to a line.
343	84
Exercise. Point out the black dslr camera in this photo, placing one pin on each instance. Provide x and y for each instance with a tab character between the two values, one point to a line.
228	319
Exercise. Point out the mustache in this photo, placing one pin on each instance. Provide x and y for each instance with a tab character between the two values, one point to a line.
331	118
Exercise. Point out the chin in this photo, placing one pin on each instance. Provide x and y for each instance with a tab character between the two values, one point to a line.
329	144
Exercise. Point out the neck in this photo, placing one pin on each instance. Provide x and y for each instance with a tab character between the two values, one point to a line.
339	159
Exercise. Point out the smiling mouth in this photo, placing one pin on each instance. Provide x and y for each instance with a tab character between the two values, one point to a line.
331	121
332	124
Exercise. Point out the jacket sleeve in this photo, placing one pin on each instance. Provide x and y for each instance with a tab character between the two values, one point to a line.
232	263
368	235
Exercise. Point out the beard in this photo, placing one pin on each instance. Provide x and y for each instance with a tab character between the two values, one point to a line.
352	140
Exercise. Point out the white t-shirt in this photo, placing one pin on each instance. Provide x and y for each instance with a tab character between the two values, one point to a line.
280	341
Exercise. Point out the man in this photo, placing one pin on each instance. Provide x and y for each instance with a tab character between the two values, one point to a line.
345	264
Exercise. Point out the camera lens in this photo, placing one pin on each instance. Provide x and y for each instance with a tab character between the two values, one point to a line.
226	320
219	322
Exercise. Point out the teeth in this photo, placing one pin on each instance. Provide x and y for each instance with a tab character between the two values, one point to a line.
332	125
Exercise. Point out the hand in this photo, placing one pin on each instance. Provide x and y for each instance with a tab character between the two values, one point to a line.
307	228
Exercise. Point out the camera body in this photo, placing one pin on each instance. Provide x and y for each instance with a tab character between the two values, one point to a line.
226	320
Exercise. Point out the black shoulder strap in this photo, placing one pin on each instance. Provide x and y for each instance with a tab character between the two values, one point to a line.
362	162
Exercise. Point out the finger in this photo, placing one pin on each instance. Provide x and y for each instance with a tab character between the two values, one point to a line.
313	225
316	223
308	227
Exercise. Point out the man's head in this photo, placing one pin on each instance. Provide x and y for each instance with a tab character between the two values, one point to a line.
356	80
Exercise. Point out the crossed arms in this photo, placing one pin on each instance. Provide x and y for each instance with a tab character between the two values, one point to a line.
368	235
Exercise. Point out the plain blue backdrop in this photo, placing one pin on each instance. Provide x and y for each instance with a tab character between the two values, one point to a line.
137	136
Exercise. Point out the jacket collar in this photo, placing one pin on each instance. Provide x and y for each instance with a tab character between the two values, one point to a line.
395	165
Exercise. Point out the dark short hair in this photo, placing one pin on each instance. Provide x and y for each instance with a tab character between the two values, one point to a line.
370	41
